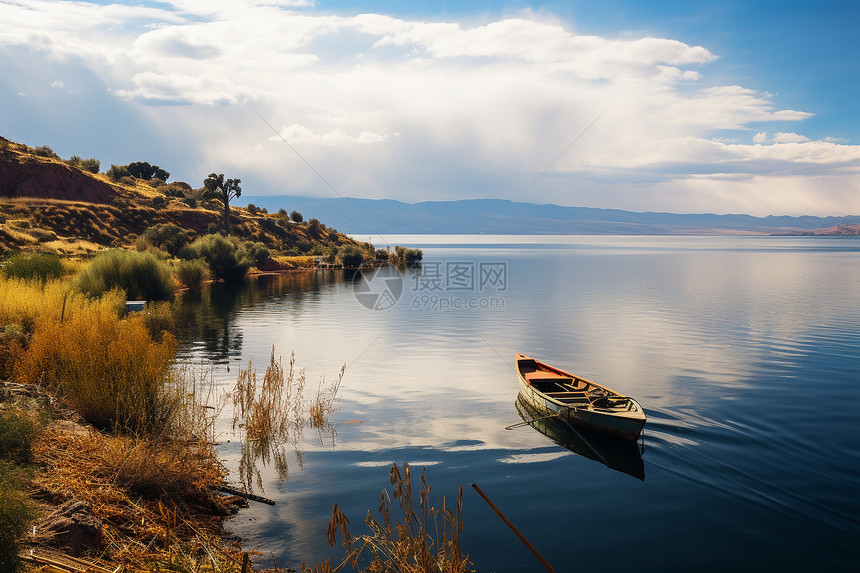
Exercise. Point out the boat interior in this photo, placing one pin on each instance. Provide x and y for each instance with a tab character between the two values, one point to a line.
568	389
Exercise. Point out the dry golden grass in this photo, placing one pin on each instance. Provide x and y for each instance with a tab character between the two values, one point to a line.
155	502
415	541
294	262
109	369
27	302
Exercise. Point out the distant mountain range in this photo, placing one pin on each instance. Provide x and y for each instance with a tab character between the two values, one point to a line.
497	216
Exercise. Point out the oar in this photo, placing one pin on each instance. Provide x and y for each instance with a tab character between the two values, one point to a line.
518	424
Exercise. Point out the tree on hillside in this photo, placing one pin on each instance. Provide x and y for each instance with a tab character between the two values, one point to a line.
296	217
216	187
143	170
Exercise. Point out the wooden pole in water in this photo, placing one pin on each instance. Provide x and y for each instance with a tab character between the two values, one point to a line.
514	529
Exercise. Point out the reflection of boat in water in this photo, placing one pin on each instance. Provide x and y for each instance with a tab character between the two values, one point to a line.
577	400
614	452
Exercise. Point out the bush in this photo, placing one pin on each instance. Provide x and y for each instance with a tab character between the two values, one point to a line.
140	275
350	256
404	256
109	369
16	511
159	201
296	217
314	224
192	273
45	151
221	254
254	253
167	237
252	209
191	202
117	172
91	165
36	266
17	434
143	170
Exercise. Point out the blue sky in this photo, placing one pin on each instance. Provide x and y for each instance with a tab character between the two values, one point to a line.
700	107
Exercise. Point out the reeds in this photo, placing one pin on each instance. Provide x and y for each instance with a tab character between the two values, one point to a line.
272	415
413	542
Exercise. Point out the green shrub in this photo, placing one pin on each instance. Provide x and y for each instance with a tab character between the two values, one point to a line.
190	201
159	201
118	172
36	266
222	256
45	151
16	512
404	256
91	165
167	237
140	275
296	217
192	273
254	253
252	209
17	433
350	256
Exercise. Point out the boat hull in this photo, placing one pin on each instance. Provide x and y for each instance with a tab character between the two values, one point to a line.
616	453
626	424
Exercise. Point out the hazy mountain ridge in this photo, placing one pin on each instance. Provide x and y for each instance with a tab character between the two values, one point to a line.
499	216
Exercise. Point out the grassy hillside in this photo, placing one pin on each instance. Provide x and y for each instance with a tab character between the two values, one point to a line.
48	204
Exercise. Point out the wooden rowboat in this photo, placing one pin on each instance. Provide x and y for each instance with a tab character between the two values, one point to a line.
554	392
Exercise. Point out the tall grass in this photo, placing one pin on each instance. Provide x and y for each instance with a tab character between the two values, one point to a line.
111	370
140	275
25	302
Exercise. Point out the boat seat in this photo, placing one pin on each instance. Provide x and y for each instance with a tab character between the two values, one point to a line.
547	376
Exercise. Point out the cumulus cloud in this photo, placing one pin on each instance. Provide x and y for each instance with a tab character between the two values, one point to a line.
420	110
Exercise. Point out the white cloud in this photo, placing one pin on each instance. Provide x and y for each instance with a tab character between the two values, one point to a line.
57	84
423	109
782	137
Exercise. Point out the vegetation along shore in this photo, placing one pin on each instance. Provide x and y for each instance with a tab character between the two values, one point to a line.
108	455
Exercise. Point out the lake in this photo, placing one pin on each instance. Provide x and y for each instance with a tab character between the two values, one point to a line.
743	351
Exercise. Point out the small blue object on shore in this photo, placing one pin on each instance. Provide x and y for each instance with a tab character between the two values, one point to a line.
135	305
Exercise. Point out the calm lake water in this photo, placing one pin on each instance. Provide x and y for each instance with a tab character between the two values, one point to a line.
743	351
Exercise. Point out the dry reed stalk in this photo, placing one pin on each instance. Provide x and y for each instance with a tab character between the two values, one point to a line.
418	541
272	415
